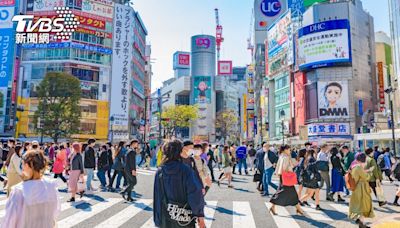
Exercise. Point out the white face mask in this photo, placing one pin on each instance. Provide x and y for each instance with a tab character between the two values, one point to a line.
190	152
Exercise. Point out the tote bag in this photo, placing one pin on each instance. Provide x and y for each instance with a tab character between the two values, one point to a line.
379	192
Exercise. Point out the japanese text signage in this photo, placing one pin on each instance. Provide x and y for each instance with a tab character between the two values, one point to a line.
324	44
6	55
329	129
47	5
381	84
181	60
184	59
225	68
333	99
97	8
121	64
7	2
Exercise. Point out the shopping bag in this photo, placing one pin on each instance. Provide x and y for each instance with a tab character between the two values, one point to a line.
289	178
81	185
379	192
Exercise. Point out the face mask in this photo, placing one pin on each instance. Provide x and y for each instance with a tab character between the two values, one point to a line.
190	152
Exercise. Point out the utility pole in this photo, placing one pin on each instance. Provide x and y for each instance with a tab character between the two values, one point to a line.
145	118
391	91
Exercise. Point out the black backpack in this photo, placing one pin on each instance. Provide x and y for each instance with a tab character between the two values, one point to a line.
272	157
4	154
396	171
381	161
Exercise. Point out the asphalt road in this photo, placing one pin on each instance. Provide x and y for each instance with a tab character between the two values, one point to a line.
241	206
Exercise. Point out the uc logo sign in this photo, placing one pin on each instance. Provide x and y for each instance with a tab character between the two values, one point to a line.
271	8
4	15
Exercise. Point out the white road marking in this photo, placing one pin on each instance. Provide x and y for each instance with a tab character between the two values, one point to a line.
149	223
209	212
340	207
315	214
283	218
123	216
242	216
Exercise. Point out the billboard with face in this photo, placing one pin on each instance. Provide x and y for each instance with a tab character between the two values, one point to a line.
333	99
202	89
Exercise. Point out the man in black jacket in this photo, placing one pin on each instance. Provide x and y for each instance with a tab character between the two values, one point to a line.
90	163
130	170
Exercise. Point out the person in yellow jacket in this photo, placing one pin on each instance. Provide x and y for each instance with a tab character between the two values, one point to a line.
159	155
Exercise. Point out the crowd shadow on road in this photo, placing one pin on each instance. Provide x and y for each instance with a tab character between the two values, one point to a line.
223	210
312	222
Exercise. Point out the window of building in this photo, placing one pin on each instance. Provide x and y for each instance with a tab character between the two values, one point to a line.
89	111
88	128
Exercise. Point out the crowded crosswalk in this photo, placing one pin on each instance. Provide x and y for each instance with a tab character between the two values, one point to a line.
102	211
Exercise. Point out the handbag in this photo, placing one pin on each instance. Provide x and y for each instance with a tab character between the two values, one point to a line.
175	212
289	178
257	177
379	192
81	185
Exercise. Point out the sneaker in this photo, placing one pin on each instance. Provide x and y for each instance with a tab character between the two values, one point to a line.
71	200
340	199
230	186
318	208
395	204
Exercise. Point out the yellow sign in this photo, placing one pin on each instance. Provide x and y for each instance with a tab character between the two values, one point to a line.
245	113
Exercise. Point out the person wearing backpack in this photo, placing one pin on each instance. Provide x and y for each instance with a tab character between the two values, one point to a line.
347	159
252	157
360	206
102	166
385	164
376	174
323	167
177	192
309	178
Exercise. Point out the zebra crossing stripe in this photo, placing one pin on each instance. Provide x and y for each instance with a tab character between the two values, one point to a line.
242	216
340	207
67	205
209	212
283	219
149	223
86	214
315	214
123	216
3	202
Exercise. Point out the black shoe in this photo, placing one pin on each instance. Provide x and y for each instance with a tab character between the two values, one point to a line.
330	198
318	208
306	203
381	204
71	200
130	200
301	203
81	194
340	199
313	198
123	195
395	204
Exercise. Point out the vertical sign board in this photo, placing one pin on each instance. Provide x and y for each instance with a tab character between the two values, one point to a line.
381	84
7	37
245	115
121	67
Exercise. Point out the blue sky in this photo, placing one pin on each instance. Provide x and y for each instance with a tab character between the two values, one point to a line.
171	23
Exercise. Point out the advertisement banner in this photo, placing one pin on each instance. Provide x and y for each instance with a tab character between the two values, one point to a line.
121	68
7	2
225	68
97	8
6	55
328	129
308	3
381	86
3	101
278	35
91	22
333	100
245	114
94	32
69	44
267	11
47	5
6	15
324	44
181	60
202	87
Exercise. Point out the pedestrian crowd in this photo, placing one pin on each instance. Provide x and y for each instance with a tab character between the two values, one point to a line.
185	176
28	172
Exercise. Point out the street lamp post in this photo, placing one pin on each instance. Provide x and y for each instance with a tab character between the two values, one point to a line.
391	91
282	115
112	129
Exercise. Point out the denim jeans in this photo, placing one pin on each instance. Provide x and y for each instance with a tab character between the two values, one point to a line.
242	162
101	174
90	174
267	180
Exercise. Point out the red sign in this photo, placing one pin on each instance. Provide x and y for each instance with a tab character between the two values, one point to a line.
381	84
91	22
184	59
225	68
299	100
7	2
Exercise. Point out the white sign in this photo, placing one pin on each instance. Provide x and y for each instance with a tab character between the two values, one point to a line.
333	99
328	129
121	65
268	11
96	8
324	44
47	5
6	14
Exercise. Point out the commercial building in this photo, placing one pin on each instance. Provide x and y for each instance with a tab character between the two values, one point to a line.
90	54
394	14
336	52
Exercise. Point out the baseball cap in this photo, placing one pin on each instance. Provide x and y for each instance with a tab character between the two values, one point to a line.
187	143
